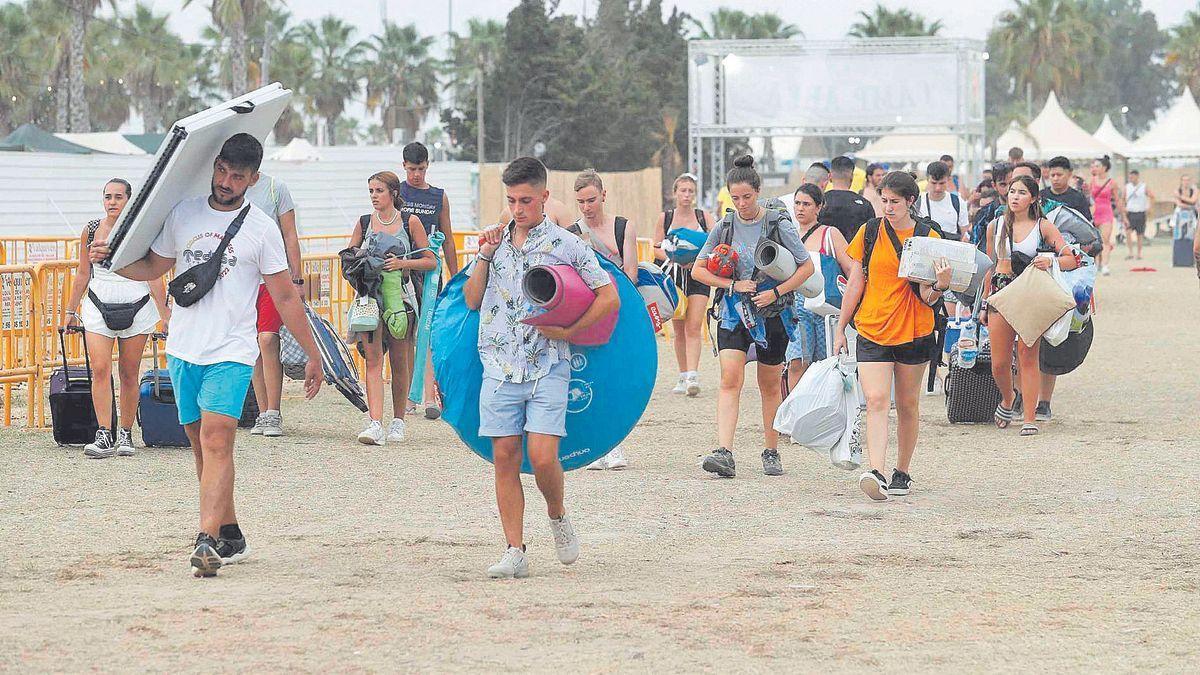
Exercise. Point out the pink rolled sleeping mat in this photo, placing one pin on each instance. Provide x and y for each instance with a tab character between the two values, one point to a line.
563	297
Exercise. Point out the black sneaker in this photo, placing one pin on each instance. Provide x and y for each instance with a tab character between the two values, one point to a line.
205	560
901	482
232	550
720	462
772	464
874	485
1042	413
101	448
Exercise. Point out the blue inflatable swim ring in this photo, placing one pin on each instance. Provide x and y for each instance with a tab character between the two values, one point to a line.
610	384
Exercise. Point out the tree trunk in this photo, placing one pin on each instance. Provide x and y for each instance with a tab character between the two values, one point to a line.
80	116
480	136
62	101
237	39
330	127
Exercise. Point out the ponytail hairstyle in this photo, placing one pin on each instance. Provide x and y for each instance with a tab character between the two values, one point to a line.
1105	162
743	172
1035	206
122	182
392	182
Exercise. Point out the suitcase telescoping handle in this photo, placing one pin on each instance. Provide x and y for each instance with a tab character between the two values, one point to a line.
154	338
62	349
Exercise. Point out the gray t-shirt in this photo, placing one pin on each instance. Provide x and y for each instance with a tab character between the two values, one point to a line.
746	237
272	196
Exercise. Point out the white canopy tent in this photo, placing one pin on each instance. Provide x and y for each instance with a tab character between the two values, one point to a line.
298	150
1175	134
1014	136
911	148
1108	135
1051	134
110	142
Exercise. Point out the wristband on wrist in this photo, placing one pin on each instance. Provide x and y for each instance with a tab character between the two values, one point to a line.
483	257
298	282
776	290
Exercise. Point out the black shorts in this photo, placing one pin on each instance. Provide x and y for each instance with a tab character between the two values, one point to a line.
1137	222
739	338
683	279
910	353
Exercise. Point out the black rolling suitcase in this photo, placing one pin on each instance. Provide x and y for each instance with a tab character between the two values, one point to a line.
249	410
72	415
1183	254
157	415
971	393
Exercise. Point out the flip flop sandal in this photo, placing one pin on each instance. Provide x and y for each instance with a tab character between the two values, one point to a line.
1004	416
1029	430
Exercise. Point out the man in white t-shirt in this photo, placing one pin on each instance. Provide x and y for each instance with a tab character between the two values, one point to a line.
942	204
212	344
1138	199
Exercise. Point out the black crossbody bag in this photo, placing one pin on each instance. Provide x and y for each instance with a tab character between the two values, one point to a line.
188	288
118	316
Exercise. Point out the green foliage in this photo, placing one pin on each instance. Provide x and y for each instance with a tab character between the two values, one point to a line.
883	22
734	24
1183	50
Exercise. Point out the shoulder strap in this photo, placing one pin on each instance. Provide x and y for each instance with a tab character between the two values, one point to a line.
92	226
804	239
364	222
700	220
957	206
726	236
619	226
668	218
274	196
870	234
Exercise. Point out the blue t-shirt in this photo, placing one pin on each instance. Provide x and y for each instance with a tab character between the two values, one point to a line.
424	203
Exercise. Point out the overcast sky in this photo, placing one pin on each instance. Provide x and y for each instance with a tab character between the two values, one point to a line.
817	18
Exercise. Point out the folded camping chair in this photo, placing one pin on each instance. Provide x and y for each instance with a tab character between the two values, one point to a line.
336	362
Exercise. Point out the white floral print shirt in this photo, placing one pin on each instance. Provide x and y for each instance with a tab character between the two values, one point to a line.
512	351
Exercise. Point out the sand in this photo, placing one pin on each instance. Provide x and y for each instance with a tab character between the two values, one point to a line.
1073	550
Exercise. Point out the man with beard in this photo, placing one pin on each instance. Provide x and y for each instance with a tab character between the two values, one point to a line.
213	342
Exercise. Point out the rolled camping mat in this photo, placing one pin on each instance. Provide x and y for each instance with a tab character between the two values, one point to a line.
1069	355
601	408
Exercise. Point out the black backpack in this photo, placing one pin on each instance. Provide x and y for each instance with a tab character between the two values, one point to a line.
923	226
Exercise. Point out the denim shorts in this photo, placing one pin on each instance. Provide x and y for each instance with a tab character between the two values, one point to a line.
215	388
537	406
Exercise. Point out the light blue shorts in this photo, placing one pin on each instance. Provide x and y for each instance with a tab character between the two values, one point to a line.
216	388
809	345
538	406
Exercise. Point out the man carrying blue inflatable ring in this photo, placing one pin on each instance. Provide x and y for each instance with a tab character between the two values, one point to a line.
526	369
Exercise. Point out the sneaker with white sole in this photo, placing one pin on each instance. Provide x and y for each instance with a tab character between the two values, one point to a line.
598	465
373	434
101	448
874	485
396	431
693	386
205	559
616	459
257	429
680	386
272	425
125	443
513	565
565	540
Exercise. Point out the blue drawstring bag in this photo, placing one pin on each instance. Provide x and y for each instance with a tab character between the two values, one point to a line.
601	408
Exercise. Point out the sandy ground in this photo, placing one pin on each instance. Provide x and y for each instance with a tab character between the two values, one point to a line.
1074	550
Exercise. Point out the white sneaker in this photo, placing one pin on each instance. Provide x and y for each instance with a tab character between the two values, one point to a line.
873	484
396	431
616	459
272	425
259	424
680	386
693	386
513	565
599	465
565	540
373	434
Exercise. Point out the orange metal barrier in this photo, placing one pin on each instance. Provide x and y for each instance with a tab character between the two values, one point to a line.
18	337
32	250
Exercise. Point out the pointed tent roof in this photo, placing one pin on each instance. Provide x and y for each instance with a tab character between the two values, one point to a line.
1108	135
30	138
1014	135
1055	134
1176	133
909	147
147	142
298	150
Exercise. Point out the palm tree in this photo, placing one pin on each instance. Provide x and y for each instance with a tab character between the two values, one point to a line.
337	67
232	17
474	58
883	22
1183	51
402	78
1042	45
734	24
16	72
158	73
81	12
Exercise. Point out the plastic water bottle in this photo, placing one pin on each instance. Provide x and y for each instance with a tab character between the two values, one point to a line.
1083	304
968	347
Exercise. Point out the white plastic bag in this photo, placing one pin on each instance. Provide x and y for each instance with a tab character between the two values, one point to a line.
1058	331
814	414
847	454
